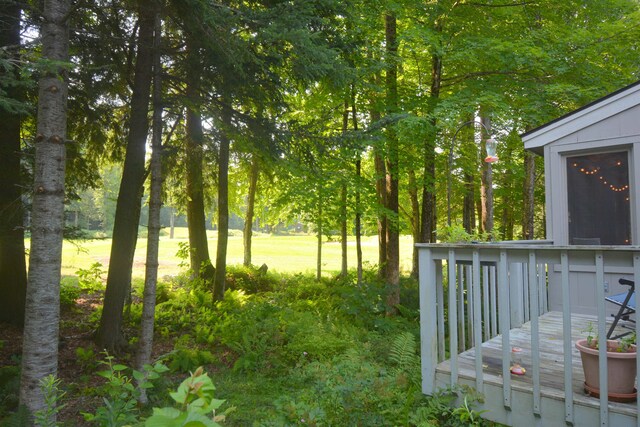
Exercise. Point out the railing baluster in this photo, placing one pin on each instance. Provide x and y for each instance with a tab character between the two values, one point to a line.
477	321
525	291
440	298
505	325
516	294
566	334
462	339
428	328
470	307
485	301
494	306
453	317
602	339
535	335
542	285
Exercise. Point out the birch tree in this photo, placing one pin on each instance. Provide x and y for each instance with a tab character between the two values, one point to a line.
145	344
40	341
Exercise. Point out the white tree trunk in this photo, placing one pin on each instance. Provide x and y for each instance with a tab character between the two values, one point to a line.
145	345
40	342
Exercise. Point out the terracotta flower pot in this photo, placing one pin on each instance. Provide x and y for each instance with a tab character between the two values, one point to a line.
621	367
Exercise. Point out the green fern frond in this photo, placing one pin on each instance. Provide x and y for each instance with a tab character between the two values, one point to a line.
403	351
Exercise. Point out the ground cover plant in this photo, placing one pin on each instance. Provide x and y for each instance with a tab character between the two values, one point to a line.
280	349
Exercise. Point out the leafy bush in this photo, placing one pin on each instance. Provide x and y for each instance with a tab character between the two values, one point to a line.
186	356
441	410
120	395
69	292
90	279
250	280
196	405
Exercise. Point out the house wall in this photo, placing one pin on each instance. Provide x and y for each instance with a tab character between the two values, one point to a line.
620	132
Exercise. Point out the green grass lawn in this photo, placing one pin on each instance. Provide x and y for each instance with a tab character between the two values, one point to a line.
289	254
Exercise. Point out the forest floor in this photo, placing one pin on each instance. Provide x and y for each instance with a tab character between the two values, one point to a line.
282	350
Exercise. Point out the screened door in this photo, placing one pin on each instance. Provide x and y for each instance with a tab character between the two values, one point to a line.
598	198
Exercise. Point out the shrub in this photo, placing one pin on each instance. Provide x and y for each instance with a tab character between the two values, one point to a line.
69	292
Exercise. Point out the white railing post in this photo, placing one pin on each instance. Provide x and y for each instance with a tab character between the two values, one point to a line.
462	337
505	324
602	339
485	301
453	317
440	303
477	320
535	329
428	326
494	302
566	333
516	290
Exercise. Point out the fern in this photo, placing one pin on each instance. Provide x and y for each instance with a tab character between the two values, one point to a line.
403	351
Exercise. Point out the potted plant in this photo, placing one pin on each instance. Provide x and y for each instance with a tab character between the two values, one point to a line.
621	366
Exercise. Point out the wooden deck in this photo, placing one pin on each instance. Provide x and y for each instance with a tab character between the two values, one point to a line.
551	375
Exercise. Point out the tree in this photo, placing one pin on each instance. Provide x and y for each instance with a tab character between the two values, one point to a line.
198	243
40	341
125	229
145	344
392	260
254	174
223	207
13	270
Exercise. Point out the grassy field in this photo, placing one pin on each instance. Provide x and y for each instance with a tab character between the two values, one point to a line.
289	254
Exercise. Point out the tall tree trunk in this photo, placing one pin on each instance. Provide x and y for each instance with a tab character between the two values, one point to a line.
145	344
381	188
125	228
319	221
172	222
343	201
428	217
254	174
486	190
13	270
40	339
392	267
223	208
343	230
468	209
196	221
358	219
415	220
507	224
479	211
381	192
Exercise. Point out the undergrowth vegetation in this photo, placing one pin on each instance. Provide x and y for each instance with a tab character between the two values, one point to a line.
282	350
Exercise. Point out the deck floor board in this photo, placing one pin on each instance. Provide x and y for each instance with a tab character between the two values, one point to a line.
551	360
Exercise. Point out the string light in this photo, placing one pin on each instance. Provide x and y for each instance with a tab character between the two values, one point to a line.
596	169
619	189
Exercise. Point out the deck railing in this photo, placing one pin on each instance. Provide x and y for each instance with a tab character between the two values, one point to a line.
470	293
